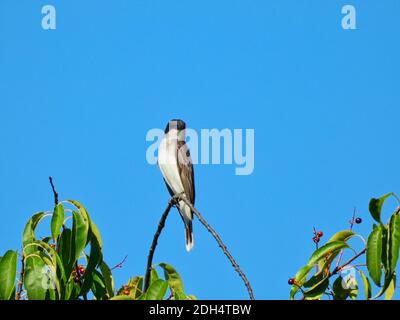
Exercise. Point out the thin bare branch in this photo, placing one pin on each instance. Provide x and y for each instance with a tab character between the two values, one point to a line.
221	245
54	191
153	246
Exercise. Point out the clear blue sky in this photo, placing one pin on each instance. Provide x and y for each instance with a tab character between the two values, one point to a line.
76	103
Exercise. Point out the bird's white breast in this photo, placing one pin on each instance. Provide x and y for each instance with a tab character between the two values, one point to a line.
167	161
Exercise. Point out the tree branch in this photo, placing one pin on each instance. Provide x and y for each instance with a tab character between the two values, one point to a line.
161	225
338	269
21	279
221	245
54	191
120	264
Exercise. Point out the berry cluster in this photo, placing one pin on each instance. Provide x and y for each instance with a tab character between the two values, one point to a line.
317	236
126	290
77	273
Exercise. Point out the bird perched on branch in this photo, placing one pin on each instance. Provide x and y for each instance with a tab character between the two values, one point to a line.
176	167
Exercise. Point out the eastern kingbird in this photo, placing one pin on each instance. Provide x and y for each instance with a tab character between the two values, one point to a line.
176	167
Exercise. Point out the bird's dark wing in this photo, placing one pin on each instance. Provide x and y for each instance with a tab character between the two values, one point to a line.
186	170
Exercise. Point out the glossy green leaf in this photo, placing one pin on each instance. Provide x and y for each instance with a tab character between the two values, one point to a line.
300	279
35	279
135	286
98	286
317	290
66	251
385	248
180	296
386	284
394	241
94	260
122	297
389	292
315	279
343	235
374	255
57	221
326	250
8	271
108	279
157	290
153	275
172	277
345	288
375	206
80	228
366	285
95	234
28	234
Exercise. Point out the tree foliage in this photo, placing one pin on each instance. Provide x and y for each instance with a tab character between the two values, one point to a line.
68	264
322	275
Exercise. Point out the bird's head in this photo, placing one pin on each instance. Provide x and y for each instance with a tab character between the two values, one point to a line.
176	127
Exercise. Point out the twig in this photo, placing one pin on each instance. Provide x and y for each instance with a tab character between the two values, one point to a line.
351	229
54	191
338	269
119	265
21	279
221	245
161	225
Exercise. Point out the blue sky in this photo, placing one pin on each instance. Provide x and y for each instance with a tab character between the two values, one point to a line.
76	103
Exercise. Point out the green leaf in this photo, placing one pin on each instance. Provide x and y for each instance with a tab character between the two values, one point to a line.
95	234
317	290
299	279
157	290
8	271
28	234
345	288
343	235
122	297
80	228
135	286
153	275
394	241
326	250
66	251
172	277
386	284
180	296
375	206
108	279
35	279
94	260
98	286
366	285
57	221
389	292
374	255
315	279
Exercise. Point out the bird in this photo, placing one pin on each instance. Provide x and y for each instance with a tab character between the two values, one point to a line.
176	166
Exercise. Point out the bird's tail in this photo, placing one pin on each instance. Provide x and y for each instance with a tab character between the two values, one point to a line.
189	236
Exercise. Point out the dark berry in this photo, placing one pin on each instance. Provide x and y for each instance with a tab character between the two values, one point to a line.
320	234
358	220
291	281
